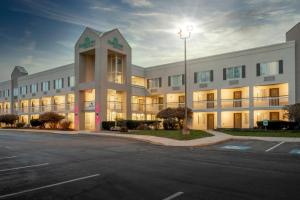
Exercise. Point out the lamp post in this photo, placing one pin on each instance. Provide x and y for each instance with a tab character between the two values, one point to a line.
186	34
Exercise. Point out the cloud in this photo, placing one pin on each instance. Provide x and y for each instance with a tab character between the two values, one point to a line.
151	27
138	3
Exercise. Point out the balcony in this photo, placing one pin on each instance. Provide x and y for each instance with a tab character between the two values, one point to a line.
70	106
202	105
234	103
155	107
89	105
45	108
114	105
136	107
175	104
34	109
58	107
24	109
270	102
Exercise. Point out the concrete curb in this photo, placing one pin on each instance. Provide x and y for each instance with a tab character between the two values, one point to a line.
218	137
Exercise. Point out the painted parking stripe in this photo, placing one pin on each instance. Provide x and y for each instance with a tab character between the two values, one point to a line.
295	151
275	146
236	147
173	196
24	167
8	157
48	186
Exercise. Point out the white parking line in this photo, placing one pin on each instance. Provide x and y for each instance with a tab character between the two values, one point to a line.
273	147
173	196
23	167
48	186
8	157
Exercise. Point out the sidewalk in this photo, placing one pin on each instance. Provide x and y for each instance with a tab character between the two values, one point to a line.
217	138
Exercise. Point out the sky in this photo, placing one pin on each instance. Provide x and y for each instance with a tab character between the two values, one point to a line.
41	34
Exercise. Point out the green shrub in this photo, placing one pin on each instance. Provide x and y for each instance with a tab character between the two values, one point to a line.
106	125
20	125
8	119
278	125
35	123
65	124
170	124
50	118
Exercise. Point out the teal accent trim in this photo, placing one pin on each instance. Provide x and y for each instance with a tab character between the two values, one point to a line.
88	42
115	43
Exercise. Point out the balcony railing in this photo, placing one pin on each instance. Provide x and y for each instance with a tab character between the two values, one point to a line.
58	107
175	104
70	106
89	105
204	104
114	105
136	107
34	109
45	108
235	103
155	107
271	101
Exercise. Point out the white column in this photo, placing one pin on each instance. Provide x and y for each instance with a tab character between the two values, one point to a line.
219	108
251	107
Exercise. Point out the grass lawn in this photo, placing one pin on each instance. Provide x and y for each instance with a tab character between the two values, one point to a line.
262	133
174	134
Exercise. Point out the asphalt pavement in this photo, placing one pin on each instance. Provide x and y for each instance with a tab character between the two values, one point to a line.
54	166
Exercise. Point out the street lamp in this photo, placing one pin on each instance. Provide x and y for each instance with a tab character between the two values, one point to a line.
185	34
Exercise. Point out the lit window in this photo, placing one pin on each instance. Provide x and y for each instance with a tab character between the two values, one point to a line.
139	81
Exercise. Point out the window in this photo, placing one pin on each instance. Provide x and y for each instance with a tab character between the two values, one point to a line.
33	88
6	93
71	81
154	83
45	86
270	68
23	90
59	83
115	69
139	81
234	72
203	77
176	80
16	92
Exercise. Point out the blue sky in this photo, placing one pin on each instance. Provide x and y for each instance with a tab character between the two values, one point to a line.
40	34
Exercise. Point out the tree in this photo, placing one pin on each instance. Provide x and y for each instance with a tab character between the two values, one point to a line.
293	112
50	118
8	119
173	117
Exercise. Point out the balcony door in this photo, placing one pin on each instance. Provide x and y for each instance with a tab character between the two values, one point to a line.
210	121
210	97
181	101
274	97
274	116
237	120
237	97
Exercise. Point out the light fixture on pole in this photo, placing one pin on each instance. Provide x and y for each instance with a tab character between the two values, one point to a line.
185	34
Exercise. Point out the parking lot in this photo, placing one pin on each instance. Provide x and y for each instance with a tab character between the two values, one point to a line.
284	148
53	166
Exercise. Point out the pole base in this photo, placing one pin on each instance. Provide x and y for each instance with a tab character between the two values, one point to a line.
185	131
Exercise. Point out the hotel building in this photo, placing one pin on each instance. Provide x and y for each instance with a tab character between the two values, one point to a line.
231	90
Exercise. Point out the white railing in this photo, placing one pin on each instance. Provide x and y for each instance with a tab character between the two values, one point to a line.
271	101
156	107
235	103
136	107
175	104
205	104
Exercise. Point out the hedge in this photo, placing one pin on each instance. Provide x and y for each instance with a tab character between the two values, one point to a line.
278	125
130	124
